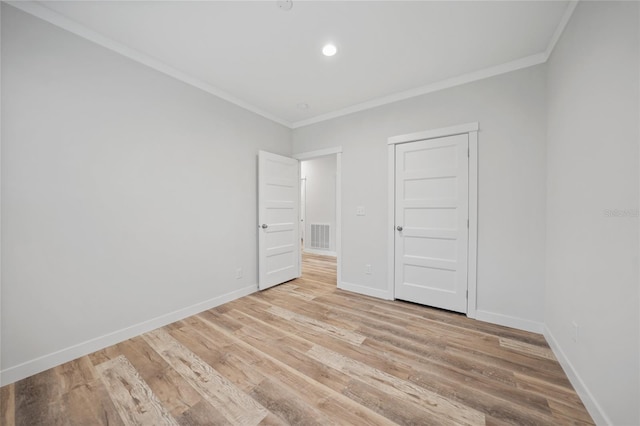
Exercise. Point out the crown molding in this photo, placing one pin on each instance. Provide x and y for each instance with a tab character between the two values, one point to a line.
48	15
568	12
526	62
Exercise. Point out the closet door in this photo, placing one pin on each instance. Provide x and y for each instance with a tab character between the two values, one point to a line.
431	215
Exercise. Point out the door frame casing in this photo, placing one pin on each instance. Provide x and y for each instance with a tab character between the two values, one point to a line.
310	155
471	129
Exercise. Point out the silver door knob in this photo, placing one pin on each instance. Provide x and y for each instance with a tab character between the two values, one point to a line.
265	226
399	228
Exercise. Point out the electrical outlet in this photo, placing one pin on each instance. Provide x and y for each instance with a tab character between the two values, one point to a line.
574	331
238	273
360	211
367	269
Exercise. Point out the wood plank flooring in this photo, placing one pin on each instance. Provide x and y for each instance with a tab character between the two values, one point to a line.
306	353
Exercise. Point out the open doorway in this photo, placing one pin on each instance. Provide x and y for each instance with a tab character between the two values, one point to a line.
318	205
280	255
320	195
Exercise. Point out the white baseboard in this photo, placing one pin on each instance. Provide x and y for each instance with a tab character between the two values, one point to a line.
45	362
320	252
509	321
367	291
590	403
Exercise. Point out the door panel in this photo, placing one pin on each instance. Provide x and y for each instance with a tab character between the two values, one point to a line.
278	219
431	207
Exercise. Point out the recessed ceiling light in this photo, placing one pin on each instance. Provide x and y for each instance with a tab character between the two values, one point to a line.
303	106
329	49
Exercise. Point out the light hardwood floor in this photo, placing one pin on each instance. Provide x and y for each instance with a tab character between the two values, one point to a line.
305	353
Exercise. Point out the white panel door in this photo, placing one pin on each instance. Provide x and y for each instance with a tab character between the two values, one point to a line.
278	219
431	216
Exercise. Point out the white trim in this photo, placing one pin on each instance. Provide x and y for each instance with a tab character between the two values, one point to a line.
509	321
46	14
298	201
302	233
589	401
337	151
45	362
0	204
568	12
391	220
639	176
61	21
472	261
367	291
320	252
435	133
526	62
319	153
339	216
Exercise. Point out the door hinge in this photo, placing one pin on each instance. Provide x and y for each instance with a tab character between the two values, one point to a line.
467	223
468	152
467	294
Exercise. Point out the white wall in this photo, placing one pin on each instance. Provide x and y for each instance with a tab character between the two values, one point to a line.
126	196
119	185
592	256
320	184
511	111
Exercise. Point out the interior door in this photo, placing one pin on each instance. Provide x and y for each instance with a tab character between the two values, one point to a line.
431	214
303	210
278	219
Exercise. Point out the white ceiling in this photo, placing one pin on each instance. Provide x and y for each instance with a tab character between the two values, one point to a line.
270	60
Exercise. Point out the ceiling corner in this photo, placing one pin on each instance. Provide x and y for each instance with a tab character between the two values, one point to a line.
571	6
40	11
